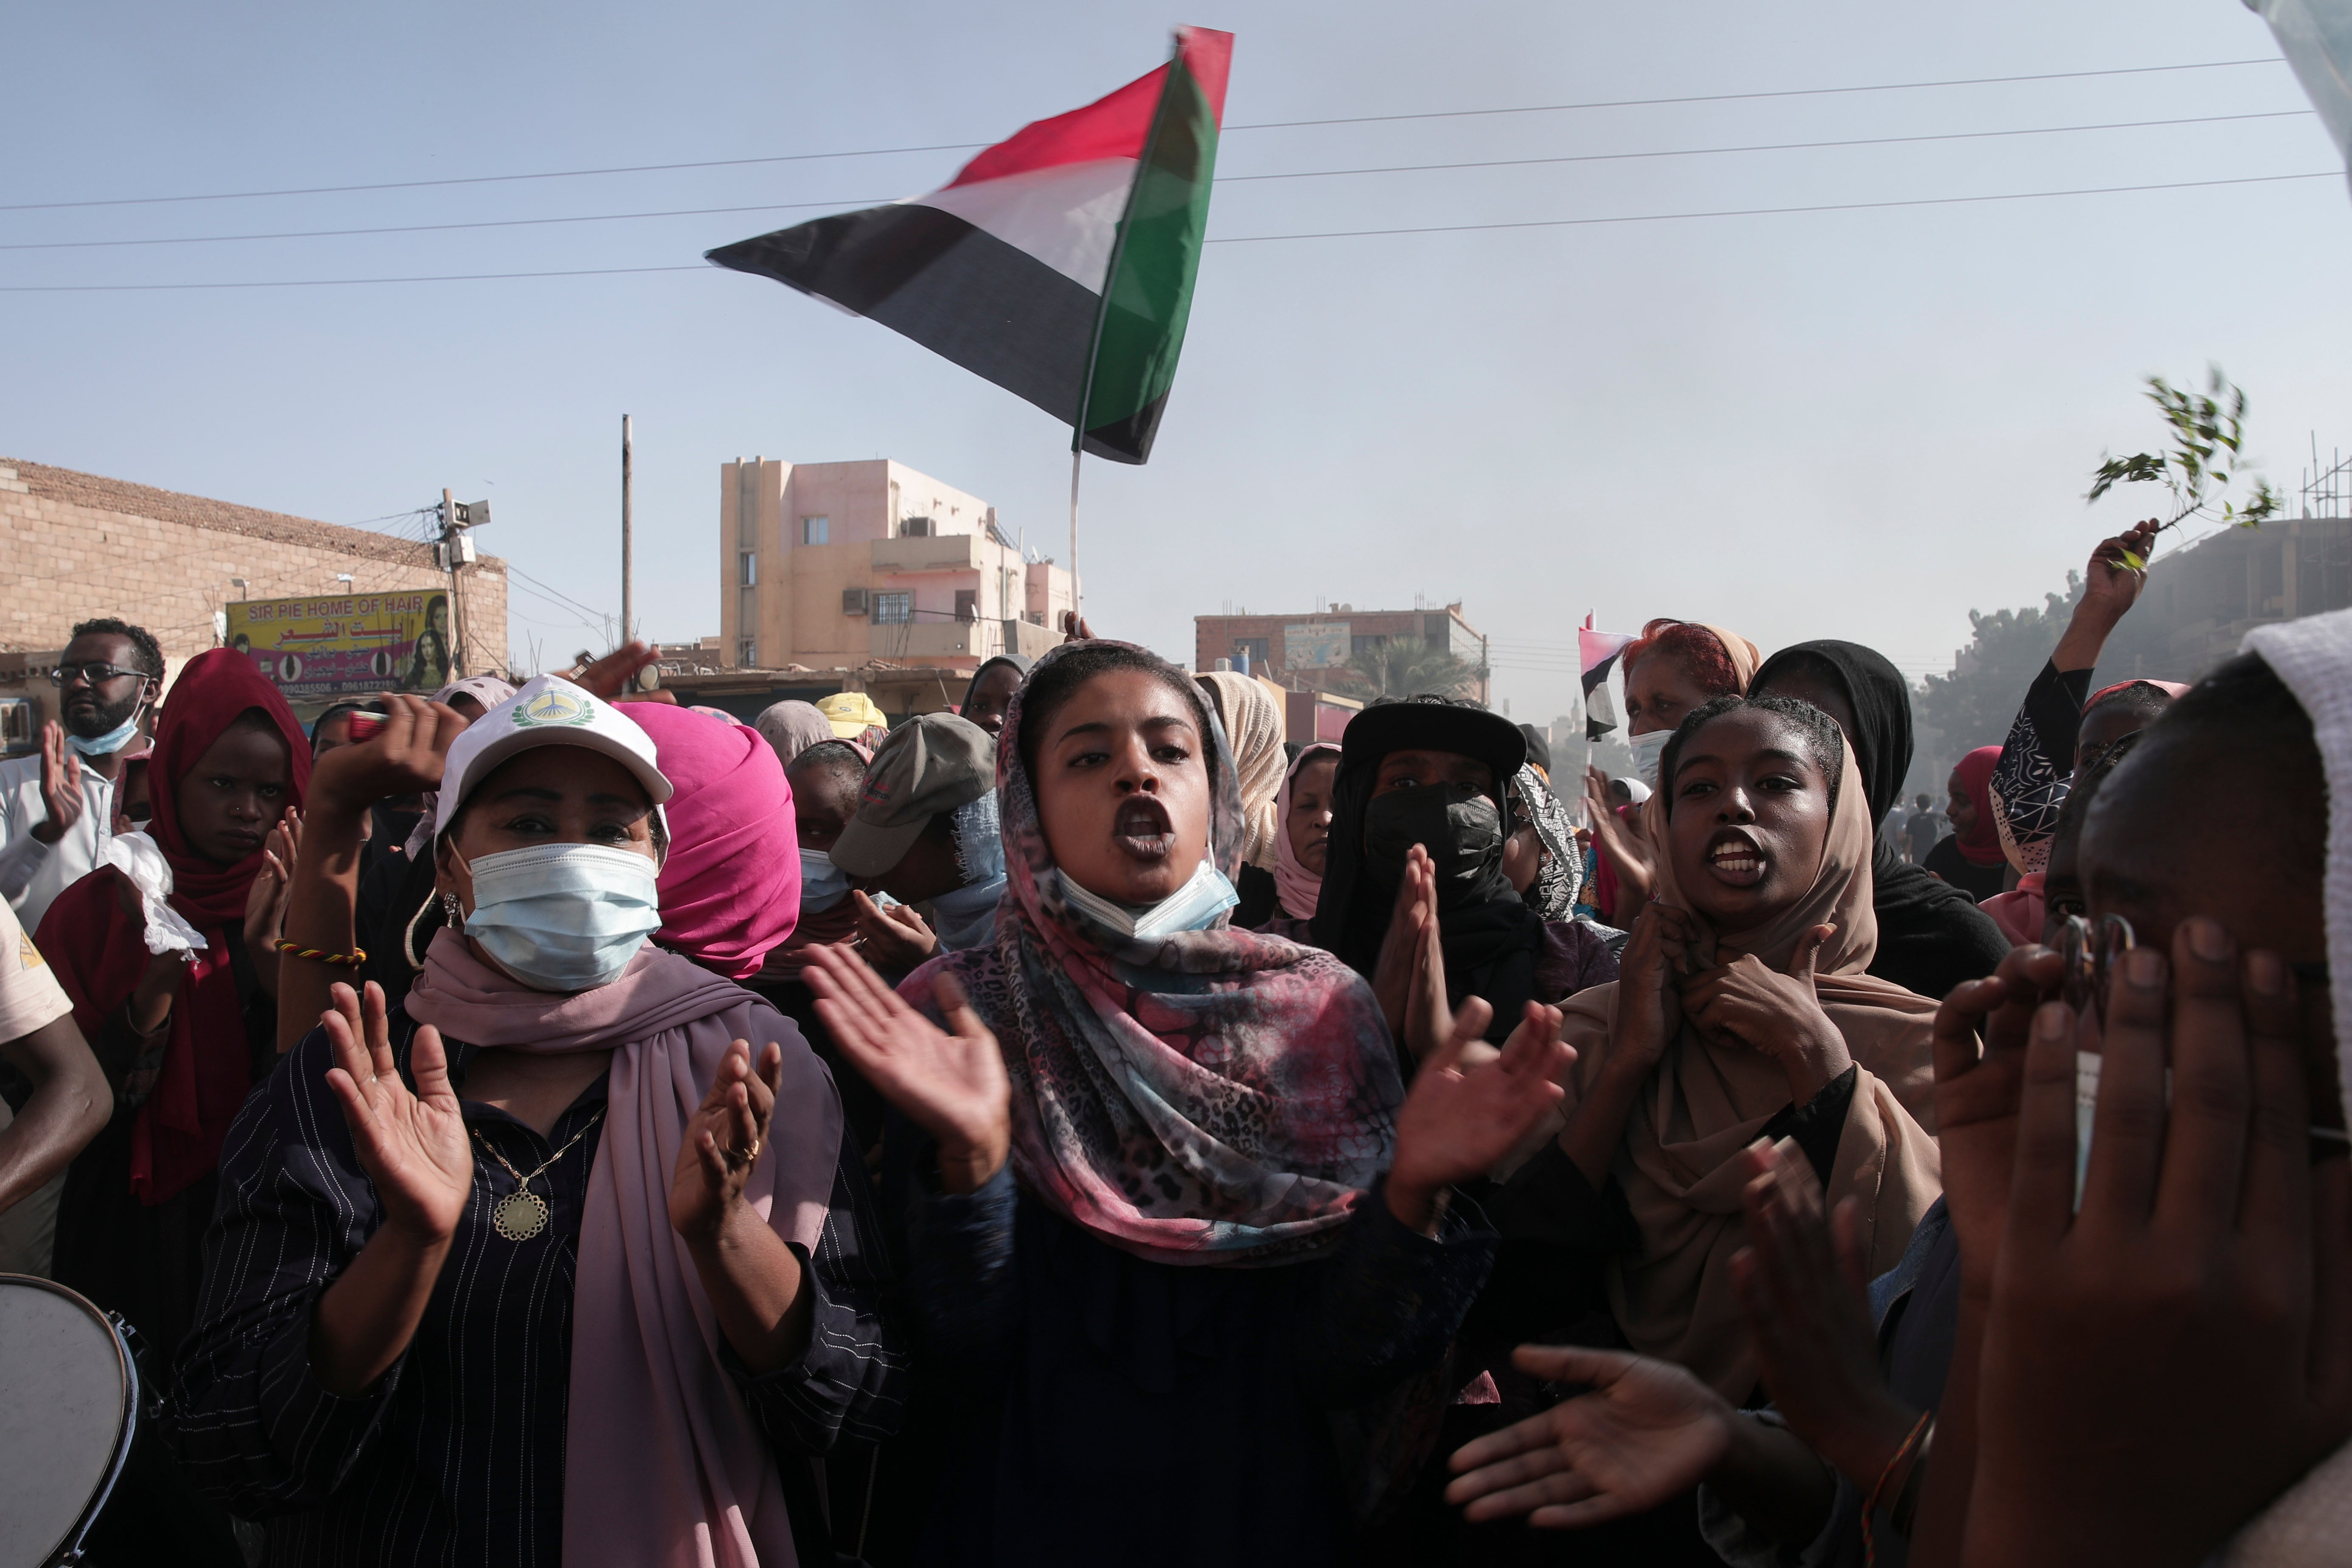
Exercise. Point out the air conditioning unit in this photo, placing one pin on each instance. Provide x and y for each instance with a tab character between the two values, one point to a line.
915	528
853	602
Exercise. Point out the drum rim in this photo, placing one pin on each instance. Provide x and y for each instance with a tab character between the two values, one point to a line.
70	1549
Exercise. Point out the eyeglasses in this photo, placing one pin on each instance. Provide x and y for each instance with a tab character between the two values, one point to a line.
91	673
2089	959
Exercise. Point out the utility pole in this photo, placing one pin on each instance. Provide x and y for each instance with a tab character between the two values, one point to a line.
449	553
628	618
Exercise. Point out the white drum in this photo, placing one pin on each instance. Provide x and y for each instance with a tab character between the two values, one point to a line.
69	1402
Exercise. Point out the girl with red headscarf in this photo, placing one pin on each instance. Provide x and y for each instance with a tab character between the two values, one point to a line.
182	1040
1970	858
228	759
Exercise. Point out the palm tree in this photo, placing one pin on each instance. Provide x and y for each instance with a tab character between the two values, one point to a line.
1404	667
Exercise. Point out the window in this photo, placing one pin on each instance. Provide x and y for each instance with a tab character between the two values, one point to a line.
893	609
816	529
1257	651
916	528
747	568
747	653
967	604
1365	644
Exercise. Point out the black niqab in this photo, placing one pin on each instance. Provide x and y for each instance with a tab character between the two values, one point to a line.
1491	940
1931	934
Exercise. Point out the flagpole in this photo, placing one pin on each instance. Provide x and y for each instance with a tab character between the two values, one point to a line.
1076	455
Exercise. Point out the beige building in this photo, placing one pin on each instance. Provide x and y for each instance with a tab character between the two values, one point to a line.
872	567
76	546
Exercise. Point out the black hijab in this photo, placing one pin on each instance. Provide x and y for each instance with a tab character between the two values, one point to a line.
1020	668
1931	935
1491	940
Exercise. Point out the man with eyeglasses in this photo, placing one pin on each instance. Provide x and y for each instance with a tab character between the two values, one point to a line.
56	809
57	816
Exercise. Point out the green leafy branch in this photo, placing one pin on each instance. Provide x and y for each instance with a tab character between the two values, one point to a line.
2209	432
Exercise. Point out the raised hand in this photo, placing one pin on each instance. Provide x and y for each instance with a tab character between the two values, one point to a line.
1663	948
1648	1431
610	676
413	1146
1748	1003
1807	1303
1458	1121
1627	849
1411	917
60	785
2207	1242
896	937
403	758
722	1140
1977	1090
265	902
953	1086
1075	628
1428	1013
2111	581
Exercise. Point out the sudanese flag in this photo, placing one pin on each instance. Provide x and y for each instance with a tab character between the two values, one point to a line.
1058	265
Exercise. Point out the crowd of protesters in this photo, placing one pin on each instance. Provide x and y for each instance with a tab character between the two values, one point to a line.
543	1124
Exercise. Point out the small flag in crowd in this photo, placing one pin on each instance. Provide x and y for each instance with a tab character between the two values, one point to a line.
1596	652
1058	265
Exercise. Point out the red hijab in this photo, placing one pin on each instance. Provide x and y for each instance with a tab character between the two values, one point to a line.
97	951
1981	845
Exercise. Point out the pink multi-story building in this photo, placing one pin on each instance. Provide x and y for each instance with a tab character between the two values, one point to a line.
851	566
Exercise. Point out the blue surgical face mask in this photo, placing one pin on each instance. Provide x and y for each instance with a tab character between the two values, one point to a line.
563	917
1199	904
105	745
1649	749
823	883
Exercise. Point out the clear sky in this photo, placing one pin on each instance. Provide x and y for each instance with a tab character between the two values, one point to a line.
1857	423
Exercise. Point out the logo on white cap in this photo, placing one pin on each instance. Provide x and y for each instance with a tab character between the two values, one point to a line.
555	706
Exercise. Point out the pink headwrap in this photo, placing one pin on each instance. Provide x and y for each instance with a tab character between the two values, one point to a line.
666	1467
1297	887
730	889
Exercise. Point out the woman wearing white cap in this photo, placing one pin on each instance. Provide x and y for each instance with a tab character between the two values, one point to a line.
537	1286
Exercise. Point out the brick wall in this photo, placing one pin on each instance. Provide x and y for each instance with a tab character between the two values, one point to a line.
74	546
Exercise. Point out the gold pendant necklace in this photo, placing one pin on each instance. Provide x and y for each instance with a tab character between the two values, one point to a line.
523	1214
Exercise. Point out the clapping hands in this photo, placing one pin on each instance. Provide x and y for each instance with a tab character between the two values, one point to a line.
951	1085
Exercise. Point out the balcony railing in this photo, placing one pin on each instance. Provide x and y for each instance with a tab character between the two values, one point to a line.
950	552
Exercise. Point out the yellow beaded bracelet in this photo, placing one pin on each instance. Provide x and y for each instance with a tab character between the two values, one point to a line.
351	959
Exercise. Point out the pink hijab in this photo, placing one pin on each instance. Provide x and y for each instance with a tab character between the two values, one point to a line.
666	1467
2175	689
730	889
1293	884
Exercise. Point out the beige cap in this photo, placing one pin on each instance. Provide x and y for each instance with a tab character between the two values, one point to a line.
933	763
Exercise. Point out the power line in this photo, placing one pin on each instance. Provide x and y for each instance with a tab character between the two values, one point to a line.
441	227
1771	212
852	202
1263	125
1743	97
1758	147
1238	239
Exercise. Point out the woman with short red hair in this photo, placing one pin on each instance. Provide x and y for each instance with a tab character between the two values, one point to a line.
1671	669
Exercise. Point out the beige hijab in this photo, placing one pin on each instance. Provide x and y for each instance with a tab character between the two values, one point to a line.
1254	727
1745	654
1706	1102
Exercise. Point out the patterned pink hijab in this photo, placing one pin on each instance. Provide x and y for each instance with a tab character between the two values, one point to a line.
1209	1097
